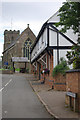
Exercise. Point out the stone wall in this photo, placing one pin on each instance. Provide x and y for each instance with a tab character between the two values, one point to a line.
17	49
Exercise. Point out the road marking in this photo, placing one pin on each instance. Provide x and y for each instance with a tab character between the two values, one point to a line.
8	82
6	85
1	89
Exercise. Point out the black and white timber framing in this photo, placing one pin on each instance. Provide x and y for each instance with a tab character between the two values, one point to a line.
50	38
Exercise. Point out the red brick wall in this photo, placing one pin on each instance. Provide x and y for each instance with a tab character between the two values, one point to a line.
72	82
73	85
49	78
60	82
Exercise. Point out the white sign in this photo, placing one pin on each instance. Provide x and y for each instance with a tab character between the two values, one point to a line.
19	59
71	94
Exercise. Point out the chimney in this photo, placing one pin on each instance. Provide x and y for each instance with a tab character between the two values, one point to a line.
27	25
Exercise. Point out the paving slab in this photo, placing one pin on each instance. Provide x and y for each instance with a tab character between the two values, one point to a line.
54	101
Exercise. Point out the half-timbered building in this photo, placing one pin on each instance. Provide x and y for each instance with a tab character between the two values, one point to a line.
50	46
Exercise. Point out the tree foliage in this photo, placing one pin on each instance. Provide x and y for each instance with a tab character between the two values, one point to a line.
60	68
74	55
69	16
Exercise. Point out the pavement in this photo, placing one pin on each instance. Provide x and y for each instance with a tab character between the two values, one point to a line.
54	101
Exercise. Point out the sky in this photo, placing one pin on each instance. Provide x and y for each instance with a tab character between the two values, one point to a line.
16	14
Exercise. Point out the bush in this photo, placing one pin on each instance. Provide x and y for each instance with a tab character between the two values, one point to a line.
60	68
17	69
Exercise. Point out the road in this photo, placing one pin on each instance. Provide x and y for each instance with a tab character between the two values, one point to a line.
19	100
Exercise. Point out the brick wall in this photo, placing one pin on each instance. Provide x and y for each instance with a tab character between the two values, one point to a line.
72	82
60	82
73	85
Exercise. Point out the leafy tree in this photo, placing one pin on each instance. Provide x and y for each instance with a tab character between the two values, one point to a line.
60	68
69	16
74	55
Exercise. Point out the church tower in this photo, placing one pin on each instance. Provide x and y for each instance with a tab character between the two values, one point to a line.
10	37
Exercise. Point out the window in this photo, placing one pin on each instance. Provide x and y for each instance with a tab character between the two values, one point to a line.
27	48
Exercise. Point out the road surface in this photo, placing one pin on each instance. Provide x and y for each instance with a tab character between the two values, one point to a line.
19	100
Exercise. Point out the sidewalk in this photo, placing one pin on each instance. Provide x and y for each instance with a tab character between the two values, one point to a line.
54	101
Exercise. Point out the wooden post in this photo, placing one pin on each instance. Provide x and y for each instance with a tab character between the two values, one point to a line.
25	66
13	67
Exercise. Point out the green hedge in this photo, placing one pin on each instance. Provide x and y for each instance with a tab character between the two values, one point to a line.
60	68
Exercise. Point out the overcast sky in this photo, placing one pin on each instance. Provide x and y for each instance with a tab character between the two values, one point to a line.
16	15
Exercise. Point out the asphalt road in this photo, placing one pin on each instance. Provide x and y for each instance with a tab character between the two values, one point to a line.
19	100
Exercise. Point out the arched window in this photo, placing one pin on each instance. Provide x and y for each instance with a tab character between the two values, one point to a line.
27	48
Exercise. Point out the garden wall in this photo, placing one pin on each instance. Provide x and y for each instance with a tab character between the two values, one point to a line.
7	71
73	89
60	82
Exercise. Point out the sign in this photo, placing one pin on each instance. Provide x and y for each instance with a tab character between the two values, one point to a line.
5	63
71	94
19	59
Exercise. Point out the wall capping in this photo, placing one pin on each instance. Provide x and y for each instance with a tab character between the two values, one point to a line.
73	70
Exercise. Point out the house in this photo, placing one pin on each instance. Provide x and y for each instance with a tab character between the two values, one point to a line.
49	47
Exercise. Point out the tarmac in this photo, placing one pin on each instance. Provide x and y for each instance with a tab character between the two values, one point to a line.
53	101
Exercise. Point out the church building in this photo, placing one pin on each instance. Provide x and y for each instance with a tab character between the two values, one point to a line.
17	48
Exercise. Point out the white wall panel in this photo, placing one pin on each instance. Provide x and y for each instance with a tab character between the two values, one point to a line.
62	53
52	38
54	18
63	41
70	34
40	46
54	58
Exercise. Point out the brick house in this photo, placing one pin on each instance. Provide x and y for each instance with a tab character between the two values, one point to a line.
18	46
50	46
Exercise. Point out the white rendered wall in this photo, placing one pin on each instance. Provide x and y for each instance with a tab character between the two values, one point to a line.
62	53
69	33
54	58
40	46
52	38
63	41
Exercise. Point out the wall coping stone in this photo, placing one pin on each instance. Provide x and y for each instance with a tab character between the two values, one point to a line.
73	70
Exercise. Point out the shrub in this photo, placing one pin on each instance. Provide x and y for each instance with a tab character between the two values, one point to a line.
60	68
17	69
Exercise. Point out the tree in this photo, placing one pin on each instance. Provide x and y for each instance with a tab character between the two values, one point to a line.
74	55
60	68
69	16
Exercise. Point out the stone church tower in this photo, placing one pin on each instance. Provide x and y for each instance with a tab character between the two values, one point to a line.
10	37
17	45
